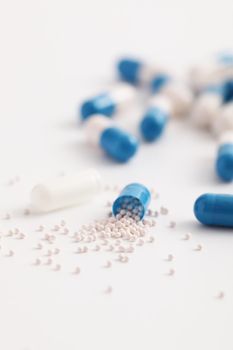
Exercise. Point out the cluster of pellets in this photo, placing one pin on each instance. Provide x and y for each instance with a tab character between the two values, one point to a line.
111	239
120	234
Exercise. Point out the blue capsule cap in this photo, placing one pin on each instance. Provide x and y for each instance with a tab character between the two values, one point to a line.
214	209
153	124
118	144
215	89
134	199
228	91
226	58
101	104
158	82
129	70
224	163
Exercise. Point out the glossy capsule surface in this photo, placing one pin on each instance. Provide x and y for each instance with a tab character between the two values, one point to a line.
224	162
134	200
100	104
153	124
129	70
118	144
214	209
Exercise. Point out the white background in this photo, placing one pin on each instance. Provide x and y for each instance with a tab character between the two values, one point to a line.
52	55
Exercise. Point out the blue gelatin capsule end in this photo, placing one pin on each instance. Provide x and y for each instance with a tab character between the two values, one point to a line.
101	104
224	163
159	81
214	89
134	199
129	70
214	209
153	124
228	91
225	58
118	144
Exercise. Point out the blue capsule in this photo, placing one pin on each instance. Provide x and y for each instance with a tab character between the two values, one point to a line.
137	72
153	124
158	82
129	70
134	199
228	91
214	89
118	98
101	104
225	58
214	209
118	144
224	162
225	90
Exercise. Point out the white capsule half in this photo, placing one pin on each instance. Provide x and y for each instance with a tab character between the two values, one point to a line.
211	72
124	96
162	102
95	126
225	137
224	121
180	96
150	71
206	109
66	191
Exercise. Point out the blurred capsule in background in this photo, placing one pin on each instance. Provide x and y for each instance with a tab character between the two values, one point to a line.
110	103
136	72
158	80
224	120
208	105
180	95
155	119
228	91
224	161
115	142
212	71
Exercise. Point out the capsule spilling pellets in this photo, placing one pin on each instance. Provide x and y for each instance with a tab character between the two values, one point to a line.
65	191
214	209
133	201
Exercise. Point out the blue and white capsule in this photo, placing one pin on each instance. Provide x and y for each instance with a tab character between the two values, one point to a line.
224	120
214	209
224	161
136	72
118	144
212	71
109	103
180	96
207	107
133	202
158	80
155	119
